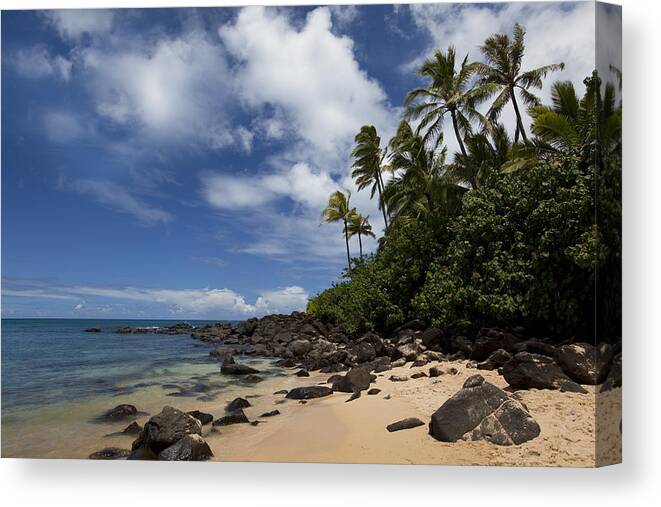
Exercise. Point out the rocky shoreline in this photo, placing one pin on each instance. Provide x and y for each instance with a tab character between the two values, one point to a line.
478	410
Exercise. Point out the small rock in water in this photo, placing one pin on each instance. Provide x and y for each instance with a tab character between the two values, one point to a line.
92	330
235	417
373	391
132	429
252	379
110	453
120	412
271	413
236	404
405	424
203	417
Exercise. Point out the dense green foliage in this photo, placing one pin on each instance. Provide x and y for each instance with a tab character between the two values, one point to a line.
508	234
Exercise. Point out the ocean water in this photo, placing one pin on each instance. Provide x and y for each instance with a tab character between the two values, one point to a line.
57	380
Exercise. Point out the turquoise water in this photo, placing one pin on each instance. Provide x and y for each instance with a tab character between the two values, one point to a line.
48	361
57	380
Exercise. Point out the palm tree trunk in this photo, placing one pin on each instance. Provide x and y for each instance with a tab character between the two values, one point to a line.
360	244
463	149
519	123
379	186
346	240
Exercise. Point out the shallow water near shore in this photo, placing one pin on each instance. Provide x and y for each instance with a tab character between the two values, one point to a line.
57	380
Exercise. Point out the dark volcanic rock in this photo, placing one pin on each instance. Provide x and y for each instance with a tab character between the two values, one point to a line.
460	344
271	413
398	378
356	379
302	373
584	363
234	417
435	371
405	424
203	417
420	374
132	429
433	337
306	393
251	379
167	428
237	369
495	360
526	371
465	410
110	453
120	412
189	448
373	391
92	330
236	404
142	453
509	424
614	378
490	340
281	391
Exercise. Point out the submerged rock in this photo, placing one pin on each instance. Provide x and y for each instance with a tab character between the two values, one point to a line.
110	453
132	429
123	411
234	417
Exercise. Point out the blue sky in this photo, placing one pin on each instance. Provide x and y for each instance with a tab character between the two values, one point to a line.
173	163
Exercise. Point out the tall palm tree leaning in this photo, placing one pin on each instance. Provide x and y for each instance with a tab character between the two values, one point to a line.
448	91
337	210
502	74
360	225
368	159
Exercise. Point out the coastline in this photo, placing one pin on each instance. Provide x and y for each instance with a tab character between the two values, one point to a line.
330	429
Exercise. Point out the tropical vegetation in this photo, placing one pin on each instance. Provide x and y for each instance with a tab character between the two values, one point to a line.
520	228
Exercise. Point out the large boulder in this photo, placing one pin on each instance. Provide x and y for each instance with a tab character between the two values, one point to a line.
490	340
363	352
433	337
298	348
189	448
306	393
480	410
584	363
356	379
466	409
528	371
167	428
509	424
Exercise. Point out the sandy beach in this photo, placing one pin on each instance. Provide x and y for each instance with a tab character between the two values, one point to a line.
331	430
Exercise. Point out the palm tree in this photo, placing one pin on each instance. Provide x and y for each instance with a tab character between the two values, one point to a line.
337	210
368	162
421	184
591	126
360	225
502	74
448	91
487	151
